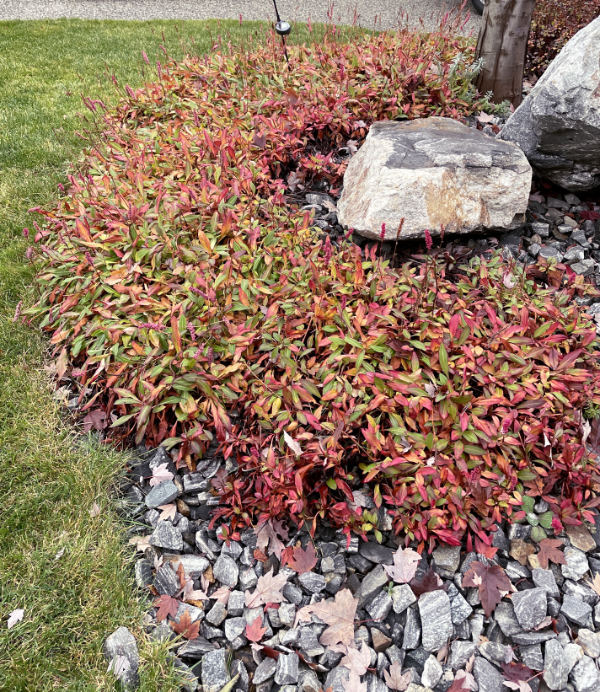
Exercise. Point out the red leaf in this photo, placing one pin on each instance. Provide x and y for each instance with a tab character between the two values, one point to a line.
301	560
166	606
491	580
549	551
255	631
185	626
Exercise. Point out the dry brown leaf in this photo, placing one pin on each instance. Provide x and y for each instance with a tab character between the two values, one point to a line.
356	660
269	537
339	614
395	680
268	590
405	565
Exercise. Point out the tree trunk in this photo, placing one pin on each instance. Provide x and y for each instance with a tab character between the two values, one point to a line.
502	44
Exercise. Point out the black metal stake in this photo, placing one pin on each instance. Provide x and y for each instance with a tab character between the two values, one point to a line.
283	29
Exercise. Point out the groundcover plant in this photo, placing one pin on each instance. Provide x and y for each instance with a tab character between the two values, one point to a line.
193	302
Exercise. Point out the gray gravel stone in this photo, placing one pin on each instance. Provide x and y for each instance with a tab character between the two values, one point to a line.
532	656
530	607
234	627
577	611
488	678
585	676
120	649
165	535
161	494
308	642
460	652
496	652
447	557
544	579
226	571
436	621
216	614
374	552
287	669
195	648
412	630
235	603
337	679
555	671
165	581
248	579
309	682
380	606
459	609
214	669
143	573
402	598
312	582
432	672
371	584
264	671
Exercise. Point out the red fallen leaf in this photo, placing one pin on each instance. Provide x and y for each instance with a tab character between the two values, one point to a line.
299	559
482	548
517	671
430	581
185	626
491	580
462	682
589	215
549	551
95	419
255	631
167	605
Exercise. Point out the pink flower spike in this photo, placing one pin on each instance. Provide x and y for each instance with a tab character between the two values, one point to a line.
428	240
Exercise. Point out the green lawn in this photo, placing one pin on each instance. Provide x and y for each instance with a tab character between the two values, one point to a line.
49	476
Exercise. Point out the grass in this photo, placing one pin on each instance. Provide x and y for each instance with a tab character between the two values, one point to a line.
50	476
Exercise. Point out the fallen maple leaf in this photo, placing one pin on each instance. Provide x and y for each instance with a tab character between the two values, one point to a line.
492	582
167	512
395	679
430	581
95	419
221	594
269	537
14	617
549	551
161	474
299	559
353	684
463	682
357	661
185	626
268	590
167	605
339	614
404	567
517	672
520	685
255	631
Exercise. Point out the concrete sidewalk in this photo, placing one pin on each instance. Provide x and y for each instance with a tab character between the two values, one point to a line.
380	14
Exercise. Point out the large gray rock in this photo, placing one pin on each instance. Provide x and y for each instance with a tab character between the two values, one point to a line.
558	124
120	649
436	620
433	172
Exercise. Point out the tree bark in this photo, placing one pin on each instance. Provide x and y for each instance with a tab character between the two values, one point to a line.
502	44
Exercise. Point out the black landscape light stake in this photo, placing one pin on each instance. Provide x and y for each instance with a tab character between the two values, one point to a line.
283	29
